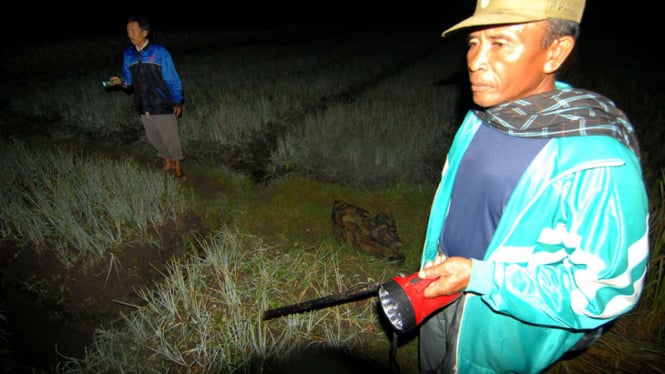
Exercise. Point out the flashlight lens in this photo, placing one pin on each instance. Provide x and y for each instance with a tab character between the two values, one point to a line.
390	308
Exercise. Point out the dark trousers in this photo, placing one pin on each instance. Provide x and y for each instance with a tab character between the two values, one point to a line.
438	339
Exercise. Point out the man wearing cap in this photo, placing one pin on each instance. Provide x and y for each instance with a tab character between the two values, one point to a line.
541	215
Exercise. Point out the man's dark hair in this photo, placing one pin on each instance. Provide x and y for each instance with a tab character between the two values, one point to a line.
559	28
142	22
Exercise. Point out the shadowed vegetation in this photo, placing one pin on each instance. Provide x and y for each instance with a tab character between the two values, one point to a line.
278	124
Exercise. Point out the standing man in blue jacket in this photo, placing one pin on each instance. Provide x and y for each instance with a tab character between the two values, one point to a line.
149	70
541	215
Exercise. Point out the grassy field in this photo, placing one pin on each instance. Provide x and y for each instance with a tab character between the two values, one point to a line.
278	125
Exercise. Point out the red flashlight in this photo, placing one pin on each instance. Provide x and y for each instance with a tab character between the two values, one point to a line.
403	302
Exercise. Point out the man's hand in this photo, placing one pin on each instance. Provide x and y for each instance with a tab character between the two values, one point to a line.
453	273
177	110
114	81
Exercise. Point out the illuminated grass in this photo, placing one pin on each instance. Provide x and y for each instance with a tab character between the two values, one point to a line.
207	314
78	206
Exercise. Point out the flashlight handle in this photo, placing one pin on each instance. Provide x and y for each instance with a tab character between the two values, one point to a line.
424	306
419	284
428	305
414	282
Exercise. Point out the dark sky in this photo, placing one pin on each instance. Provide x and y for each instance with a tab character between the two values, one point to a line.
55	20
58	20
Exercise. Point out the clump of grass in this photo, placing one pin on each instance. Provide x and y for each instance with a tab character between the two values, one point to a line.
207	314
395	129
79	206
615	353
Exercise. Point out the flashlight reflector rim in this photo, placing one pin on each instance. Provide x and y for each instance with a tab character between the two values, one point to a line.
404	306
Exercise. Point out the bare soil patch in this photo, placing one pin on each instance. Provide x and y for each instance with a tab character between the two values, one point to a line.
52	311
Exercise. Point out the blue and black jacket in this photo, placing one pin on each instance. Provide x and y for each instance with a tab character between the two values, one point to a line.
154	79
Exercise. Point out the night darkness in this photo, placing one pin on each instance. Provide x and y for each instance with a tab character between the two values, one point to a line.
622	26
174	15
58	22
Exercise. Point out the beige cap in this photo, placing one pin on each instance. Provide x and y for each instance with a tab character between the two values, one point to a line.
497	12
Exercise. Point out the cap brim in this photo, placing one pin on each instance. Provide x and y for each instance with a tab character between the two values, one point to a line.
488	20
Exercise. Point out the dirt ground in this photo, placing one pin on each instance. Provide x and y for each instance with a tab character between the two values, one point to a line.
52	311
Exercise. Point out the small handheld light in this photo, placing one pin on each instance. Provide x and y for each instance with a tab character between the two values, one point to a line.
403	302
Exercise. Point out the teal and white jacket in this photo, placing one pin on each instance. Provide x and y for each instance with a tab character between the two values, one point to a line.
569	253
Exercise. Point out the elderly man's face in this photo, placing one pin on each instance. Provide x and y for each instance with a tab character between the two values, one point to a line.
508	62
136	35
